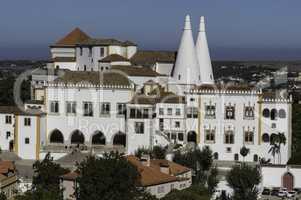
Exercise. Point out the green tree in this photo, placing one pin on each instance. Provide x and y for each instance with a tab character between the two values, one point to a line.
212	180
3	196
111	177
296	129
158	152
243	179
46	181
244	151
193	193
200	161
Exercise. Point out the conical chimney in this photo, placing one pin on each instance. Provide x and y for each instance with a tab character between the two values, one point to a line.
186	70
203	55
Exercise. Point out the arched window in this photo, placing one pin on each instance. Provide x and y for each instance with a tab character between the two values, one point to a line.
119	139
255	158
273	137
98	139
265	138
266	113
191	136
215	155
273	114
56	137
282	113
77	137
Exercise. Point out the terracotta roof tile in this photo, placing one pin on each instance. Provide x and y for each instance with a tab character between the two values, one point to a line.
175	169
72	38
149	175
6	166
95	78
18	111
148	58
232	87
104	42
114	58
137	71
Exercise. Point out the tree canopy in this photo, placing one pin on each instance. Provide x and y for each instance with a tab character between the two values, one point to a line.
110	177
243	179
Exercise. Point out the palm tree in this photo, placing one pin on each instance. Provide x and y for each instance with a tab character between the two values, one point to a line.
281	140
273	150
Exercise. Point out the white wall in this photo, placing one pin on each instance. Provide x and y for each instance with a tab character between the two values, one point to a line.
4	141
62	52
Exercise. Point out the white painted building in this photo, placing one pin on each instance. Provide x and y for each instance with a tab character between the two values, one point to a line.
108	98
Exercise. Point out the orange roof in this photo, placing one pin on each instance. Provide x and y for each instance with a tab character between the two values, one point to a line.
72	38
150	175
175	169
6	166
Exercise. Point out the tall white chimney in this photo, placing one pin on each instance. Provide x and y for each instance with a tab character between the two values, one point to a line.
186	70
203	55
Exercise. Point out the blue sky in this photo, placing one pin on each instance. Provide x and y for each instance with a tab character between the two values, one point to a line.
236	29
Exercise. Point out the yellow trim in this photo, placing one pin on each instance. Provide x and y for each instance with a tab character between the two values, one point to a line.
259	119
16	142
199	121
38	137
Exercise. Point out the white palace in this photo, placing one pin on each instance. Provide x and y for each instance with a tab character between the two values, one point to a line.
104	94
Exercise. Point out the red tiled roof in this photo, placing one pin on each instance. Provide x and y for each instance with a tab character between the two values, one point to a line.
72	38
175	169
6	166
150	175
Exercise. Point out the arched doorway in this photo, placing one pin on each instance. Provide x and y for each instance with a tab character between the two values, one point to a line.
98	139
77	137
119	139
288	181
11	146
56	137
191	136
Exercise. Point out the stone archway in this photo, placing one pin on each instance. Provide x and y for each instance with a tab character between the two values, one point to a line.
119	139
56	137
288	181
77	137
191	136
98	138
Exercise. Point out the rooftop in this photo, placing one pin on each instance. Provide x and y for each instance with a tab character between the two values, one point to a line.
95	78
136	71
72	38
114	58
149	58
17	111
104	42
150	175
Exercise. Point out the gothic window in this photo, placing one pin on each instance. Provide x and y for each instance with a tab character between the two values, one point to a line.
236	157
192	112
161	111
139	127
121	109
54	106
8	119
88	109
27	121
105	108
230	112
229	137
178	111
249	137
209	135
70	107
249	112
210	111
